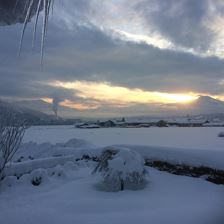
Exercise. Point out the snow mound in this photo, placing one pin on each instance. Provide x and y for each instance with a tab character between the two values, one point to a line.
31	150
38	176
29	175
74	143
8	182
59	171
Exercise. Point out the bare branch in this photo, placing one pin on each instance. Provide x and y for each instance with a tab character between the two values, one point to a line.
12	130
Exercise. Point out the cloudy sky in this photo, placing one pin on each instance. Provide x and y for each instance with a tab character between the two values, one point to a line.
111	56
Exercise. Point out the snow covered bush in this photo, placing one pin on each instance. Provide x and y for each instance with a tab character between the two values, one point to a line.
121	168
221	134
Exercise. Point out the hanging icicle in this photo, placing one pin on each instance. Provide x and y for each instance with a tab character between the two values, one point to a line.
36	7
25	24
36	22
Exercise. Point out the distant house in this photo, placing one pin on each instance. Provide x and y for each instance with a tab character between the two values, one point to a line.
90	126
87	125
79	125
162	123
107	124
144	125
213	124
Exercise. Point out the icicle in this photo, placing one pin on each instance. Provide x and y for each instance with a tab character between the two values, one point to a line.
47	4
25	7
17	1
36	21
48	7
29	6
24	25
52	7
43	30
48	11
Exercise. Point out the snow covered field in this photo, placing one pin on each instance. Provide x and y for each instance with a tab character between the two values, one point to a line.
189	138
197	146
73	196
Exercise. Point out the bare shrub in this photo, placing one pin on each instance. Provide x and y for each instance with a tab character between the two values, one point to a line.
12	130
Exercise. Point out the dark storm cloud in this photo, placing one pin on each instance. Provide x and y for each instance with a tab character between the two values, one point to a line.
85	52
23	76
140	65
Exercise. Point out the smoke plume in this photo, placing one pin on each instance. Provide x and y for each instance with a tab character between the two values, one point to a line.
55	104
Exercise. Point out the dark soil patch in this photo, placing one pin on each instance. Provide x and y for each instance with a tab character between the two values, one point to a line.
212	175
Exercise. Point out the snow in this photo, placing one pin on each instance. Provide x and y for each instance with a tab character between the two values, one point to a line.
75	199
32	150
187	138
126	160
19	169
67	192
46	155
192	146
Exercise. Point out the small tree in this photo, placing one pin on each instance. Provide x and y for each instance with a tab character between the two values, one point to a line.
121	168
12	130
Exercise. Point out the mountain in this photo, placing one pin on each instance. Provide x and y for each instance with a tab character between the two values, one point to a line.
202	106
203	109
206	105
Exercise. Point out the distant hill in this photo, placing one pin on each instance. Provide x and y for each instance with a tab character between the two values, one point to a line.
39	110
33	117
37	105
202	105
44	107
31	112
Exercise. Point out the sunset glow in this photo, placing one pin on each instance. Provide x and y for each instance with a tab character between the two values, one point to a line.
106	92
